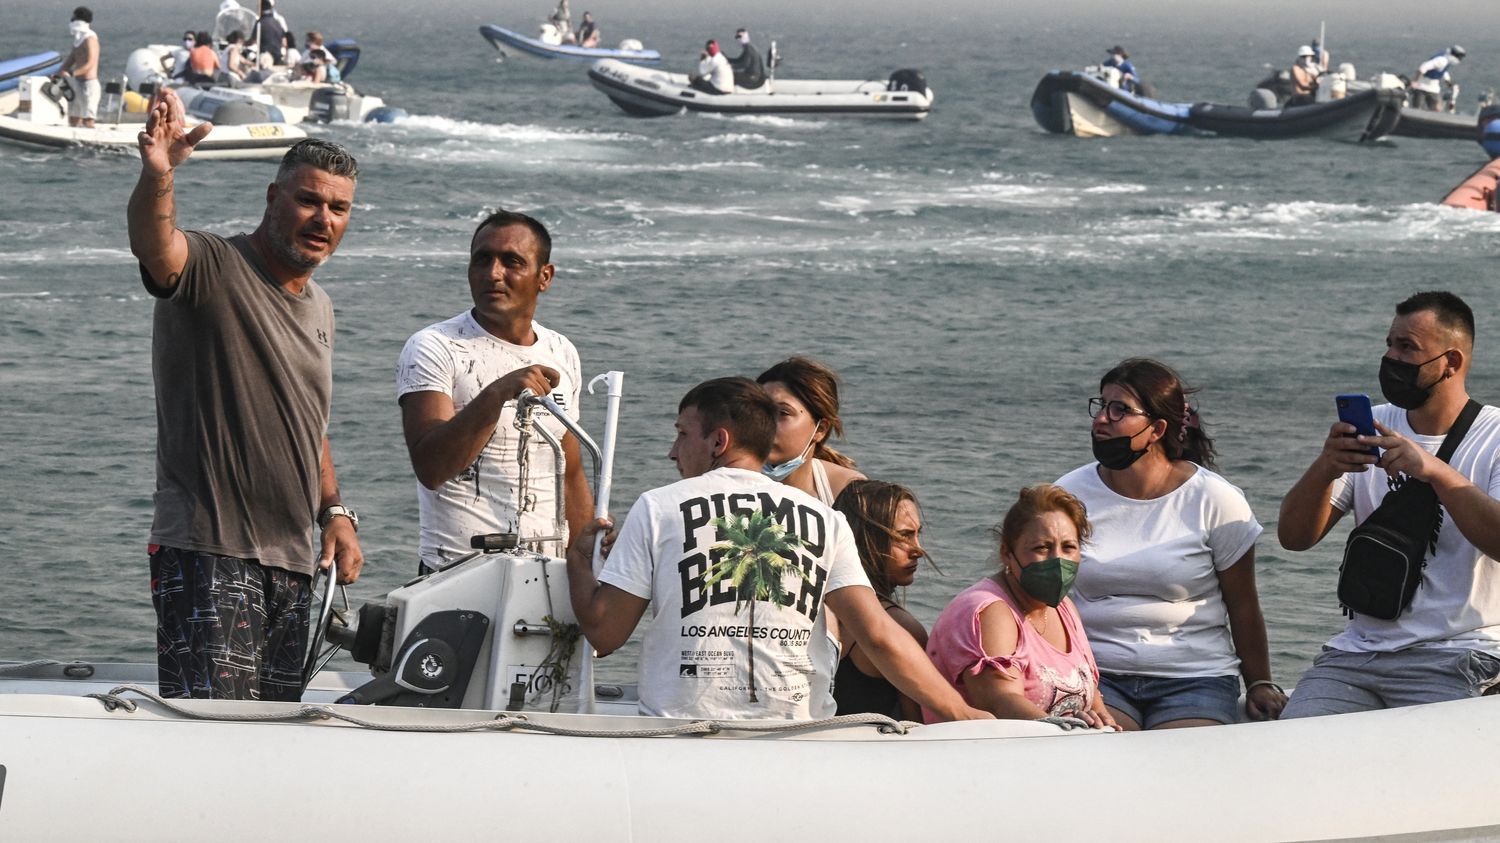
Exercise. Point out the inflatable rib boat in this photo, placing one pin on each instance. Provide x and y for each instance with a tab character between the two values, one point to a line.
1086	105
630	50
643	92
1479	191
480	719
41	122
285	98
40	64
1416	123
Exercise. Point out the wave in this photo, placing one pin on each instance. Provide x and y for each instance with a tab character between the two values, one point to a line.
733	138
522	133
768	120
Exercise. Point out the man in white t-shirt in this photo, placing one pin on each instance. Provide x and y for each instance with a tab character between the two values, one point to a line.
457	383
711	651
715	75
1432	75
1446	644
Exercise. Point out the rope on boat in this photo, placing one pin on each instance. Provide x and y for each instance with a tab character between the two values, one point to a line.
503	722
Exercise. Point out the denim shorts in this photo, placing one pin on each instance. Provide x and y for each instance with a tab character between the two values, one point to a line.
1152	700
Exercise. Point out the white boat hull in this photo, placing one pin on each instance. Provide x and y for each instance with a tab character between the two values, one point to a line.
39	122
256	141
645	92
72	770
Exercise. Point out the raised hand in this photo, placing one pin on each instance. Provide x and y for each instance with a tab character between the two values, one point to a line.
166	143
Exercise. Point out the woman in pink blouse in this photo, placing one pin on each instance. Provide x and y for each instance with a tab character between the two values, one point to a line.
1012	643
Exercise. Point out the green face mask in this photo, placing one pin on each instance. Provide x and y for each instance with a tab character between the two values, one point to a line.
1049	580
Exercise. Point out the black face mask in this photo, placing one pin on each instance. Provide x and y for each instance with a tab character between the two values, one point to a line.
1398	383
1116	454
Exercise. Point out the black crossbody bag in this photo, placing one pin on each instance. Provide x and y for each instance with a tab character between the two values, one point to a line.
1385	555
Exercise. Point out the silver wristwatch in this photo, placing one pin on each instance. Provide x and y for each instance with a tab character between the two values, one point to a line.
332	512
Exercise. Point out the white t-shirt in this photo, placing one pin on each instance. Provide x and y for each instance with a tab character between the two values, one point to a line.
695	657
719	73
1458	602
1148	587
459	358
1430	74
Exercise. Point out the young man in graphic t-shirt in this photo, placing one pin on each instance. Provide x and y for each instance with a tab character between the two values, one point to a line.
694	552
1446	644
457	383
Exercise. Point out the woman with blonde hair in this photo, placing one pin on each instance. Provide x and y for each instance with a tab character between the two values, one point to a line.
1012	643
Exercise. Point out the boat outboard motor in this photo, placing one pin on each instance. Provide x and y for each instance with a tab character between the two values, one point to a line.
328	105
632	45
907	79
1489	130
433	668
345	55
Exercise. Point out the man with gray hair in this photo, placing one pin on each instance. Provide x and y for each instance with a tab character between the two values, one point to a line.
242	348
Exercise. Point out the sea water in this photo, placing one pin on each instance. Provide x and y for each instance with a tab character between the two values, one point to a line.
970	276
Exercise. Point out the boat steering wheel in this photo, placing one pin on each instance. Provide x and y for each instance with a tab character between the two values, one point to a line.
317	655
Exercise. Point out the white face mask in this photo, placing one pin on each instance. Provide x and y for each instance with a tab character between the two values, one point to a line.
79	30
188	45
743	39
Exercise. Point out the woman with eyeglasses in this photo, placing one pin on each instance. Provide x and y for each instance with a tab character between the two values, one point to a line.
1167	594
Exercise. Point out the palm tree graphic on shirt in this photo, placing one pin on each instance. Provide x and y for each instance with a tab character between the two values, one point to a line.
756	555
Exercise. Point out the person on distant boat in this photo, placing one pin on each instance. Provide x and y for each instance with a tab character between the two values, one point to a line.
319	67
83	63
1432	75
270	34
887	525
242	359
203	61
726	539
457	383
175	64
714	75
562	21
233	57
1321	56
1445	644
1120	60
1167	589
1305	72
588	31
1011	644
289	51
807	415
749	70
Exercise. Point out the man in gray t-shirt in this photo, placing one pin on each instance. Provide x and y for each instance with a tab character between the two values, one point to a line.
242	349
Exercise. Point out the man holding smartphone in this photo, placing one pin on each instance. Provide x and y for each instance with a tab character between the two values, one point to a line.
1446	644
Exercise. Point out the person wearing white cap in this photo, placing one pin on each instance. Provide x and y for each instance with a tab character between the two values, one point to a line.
1432	75
1305	73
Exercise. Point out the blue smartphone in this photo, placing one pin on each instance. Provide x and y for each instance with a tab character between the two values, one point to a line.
1354	408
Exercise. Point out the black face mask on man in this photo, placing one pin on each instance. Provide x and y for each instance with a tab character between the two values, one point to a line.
1399	382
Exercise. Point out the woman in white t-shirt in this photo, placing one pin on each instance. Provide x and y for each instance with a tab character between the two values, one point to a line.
1168	595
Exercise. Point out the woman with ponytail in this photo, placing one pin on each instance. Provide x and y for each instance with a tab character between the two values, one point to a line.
1168	595
807	402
